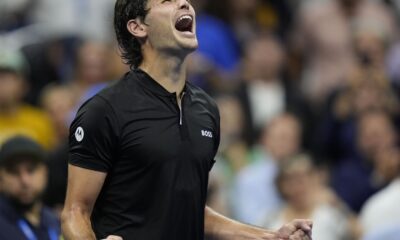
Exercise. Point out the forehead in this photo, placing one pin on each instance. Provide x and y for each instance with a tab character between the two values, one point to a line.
21	164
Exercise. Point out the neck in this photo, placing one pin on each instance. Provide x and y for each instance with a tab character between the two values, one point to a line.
299	212
8	109
168	70
33	214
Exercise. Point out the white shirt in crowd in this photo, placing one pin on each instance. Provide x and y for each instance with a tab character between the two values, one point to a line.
328	223
382	209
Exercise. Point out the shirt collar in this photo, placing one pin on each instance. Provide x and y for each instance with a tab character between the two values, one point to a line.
148	82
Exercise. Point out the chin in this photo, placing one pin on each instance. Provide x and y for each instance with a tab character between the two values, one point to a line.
192	47
189	45
23	204
26	200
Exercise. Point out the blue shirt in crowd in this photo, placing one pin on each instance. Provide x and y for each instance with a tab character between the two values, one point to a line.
13	226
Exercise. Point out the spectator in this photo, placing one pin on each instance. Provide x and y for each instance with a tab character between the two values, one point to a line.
217	42
13	14
381	210
371	41
263	93
248	17
255	190
354	178
23	177
91	73
57	101
49	62
233	155
54	196
298	184
323	34
366	90
216	61
390	232
87	19
17	117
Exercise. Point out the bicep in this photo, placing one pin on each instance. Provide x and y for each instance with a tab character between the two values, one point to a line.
84	186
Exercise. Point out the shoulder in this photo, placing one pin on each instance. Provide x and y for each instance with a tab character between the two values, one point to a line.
97	113
119	88
9	231
109	97
328	213
33	112
4	206
387	198
95	106
253	174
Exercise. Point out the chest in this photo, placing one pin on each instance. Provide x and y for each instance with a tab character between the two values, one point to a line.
163	133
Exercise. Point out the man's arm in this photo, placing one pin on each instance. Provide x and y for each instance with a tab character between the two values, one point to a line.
222	228
83	188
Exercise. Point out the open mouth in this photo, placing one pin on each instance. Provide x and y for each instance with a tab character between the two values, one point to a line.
184	23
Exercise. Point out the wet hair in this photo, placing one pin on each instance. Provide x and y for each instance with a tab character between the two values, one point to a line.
124	11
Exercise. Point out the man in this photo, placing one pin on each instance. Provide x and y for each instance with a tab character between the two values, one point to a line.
255	186
23	179
357	177
141	150
380	214
17	117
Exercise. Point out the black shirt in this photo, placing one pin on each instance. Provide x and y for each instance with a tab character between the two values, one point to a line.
156	156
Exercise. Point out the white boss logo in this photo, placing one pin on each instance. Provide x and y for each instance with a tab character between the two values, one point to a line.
205	133
79	134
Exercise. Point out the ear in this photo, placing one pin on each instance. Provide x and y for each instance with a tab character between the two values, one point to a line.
137	28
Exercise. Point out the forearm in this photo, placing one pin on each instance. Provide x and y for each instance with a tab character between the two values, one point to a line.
223	228
75	224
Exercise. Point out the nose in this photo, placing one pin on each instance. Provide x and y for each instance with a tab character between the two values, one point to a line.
25	177
184	4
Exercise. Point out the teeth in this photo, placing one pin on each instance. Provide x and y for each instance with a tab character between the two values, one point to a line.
185	17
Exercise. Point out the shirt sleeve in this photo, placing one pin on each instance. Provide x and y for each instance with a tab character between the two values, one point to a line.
93	136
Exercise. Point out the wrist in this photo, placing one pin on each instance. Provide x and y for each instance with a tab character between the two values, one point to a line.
252	232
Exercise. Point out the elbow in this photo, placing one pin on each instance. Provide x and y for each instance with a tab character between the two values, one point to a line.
75	223
74	213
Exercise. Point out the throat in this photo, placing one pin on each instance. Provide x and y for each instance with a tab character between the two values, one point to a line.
33	215
169	72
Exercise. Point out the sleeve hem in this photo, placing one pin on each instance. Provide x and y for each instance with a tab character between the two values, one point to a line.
89	167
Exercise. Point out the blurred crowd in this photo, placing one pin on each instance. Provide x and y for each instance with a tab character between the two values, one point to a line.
308	93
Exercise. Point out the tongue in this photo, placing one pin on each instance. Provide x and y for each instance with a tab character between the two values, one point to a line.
184	25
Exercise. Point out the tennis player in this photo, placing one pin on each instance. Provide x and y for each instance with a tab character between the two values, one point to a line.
141	150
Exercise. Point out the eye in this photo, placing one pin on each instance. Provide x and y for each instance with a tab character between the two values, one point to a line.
164	1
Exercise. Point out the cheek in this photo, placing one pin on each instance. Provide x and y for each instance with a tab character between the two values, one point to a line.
40	181
159	26
9	184
286	189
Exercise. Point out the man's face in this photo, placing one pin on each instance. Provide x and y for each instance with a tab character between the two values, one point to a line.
171	26
282	138
375	133
11	88
24	182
